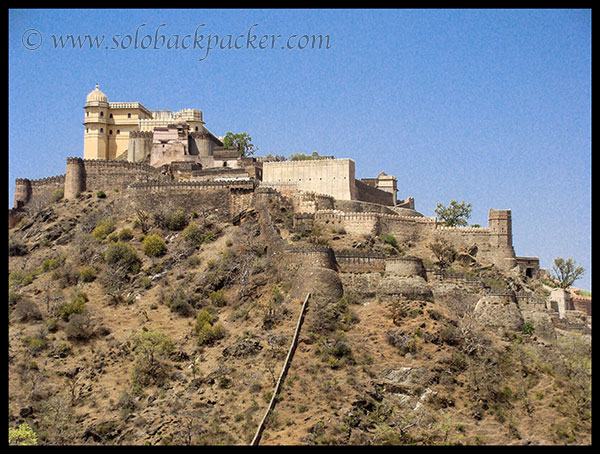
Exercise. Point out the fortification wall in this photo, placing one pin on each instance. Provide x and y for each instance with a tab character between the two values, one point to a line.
405	266
313	256
36	191
224	199
494	244
407	228
334	177
357	206
100	174
353	261
582	304
368	193
353	223
140	146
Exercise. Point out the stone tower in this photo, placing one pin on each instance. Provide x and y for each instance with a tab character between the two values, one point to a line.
74	178
500	224
140	146
22	191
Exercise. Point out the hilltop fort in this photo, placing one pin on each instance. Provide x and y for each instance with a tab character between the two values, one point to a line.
170	289
130	148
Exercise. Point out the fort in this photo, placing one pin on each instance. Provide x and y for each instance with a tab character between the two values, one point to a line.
134	150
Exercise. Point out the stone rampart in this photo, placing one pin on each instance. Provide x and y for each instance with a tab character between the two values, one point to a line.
353	261
334	177
582	303
405	266
352	223
36	191
368	193
99	174
357	206
494	244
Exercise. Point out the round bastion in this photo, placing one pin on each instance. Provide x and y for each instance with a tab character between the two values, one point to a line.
405	266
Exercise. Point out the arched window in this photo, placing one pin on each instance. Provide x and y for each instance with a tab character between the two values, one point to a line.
101	113
118	132
110	132
128	115
196	128
110	116
101	129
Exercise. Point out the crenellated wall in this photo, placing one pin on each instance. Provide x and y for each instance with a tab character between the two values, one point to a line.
494	243
353	261
368	193
32	191
99	174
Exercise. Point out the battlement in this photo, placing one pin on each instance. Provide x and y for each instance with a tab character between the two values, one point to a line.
140	134
443	228
49	181
190	185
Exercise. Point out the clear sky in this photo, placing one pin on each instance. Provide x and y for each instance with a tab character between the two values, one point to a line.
491	107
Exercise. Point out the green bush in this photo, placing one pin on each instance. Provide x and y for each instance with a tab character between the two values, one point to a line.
180	300
122	254
125	234
528	328
53	263
153	245
101	194
206	329
193	234
104	228
22	436
176	220
21	278
16	248
87	274
57	195
391	240
75	306
152	348
217	298
36	343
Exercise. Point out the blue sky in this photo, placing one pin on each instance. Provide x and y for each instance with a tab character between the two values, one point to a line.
492	107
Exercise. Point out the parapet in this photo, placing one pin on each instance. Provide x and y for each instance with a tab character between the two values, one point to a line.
140	134
405	266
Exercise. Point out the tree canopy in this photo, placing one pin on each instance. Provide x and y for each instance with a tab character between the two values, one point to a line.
242	140
455	214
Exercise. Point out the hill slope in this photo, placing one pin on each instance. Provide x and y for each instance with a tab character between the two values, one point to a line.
170	327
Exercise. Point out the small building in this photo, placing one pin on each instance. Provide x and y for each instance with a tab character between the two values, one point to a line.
530	266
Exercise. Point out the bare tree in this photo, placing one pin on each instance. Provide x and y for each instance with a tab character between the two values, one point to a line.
565	272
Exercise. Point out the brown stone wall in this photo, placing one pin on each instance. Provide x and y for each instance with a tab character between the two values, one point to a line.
368	193
359	262
105	175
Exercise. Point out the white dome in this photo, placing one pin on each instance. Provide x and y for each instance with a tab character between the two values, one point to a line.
96	96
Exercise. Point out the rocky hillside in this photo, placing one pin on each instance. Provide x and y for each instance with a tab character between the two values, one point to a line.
133	325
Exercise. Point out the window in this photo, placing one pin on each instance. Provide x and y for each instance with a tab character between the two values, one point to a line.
118	132
110	116
87	114
101	113
196	128
110	132
101	129
128	115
